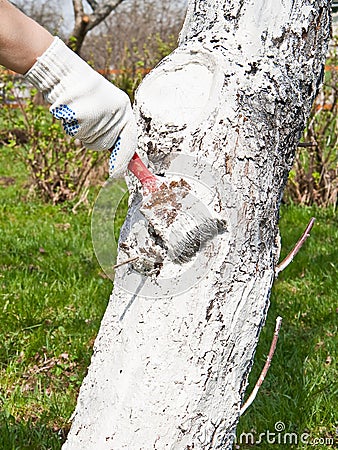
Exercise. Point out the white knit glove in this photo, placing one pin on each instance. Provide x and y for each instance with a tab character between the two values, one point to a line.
89	106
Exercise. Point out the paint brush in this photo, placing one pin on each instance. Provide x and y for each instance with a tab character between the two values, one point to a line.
177	219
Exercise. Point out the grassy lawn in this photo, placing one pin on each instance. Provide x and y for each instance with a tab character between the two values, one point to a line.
53	295
52	298
300	393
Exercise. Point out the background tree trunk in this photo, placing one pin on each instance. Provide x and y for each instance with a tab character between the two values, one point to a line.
174	351
86	22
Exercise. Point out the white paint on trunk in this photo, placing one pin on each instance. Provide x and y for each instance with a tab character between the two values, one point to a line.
184	91
174	351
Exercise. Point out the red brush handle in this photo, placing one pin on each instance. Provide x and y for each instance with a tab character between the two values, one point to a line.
142	173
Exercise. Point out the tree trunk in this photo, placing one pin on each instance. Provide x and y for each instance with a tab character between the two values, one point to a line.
86	22
226	109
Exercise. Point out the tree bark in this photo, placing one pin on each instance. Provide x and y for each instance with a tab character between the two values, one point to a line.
86	22
226	109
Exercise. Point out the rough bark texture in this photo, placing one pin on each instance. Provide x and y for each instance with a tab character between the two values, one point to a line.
174	351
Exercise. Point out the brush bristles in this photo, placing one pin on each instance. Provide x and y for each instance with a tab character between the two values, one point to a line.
189	243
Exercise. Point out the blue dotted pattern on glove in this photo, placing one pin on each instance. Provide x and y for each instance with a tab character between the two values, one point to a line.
68	117
113	156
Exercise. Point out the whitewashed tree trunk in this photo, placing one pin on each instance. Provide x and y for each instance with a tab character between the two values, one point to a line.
172	358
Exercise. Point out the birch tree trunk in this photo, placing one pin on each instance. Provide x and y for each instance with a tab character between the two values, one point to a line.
226	108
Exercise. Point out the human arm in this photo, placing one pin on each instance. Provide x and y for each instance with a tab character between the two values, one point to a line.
90	107
22	40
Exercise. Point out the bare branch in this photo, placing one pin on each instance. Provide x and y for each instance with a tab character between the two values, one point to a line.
306	144
78	8
78	17
93	4
86	22
286	261
125	262
266	367
102	12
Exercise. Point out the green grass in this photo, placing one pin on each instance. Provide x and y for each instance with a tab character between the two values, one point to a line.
53	295
301	388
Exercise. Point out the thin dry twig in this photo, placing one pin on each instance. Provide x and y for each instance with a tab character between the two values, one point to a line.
307	144
82	199
125	262
262	376
286	261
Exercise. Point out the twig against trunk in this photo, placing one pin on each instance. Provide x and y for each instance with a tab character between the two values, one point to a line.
307	144
286	261
125	262
262	376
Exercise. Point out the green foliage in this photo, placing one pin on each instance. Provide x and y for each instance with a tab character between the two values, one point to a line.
302	384
53	296
60	168
137	62
72	43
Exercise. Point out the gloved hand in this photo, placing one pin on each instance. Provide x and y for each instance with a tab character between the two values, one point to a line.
89	106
